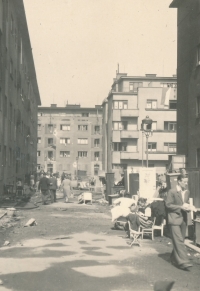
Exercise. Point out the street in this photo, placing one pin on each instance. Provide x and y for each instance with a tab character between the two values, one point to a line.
73	247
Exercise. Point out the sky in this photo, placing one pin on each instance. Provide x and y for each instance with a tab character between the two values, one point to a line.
77	45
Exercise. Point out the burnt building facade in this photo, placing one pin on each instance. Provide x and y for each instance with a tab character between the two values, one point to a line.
19	95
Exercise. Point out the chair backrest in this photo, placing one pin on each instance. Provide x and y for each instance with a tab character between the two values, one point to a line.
129	224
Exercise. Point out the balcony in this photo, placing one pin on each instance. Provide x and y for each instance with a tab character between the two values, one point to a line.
129	155
129	113
129	134
159	156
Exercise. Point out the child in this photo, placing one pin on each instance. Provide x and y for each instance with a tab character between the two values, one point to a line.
134	220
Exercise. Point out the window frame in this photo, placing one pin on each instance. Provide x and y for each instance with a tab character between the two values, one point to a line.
67	125
63	154
172	102
82	154
151	149
82	139
170	145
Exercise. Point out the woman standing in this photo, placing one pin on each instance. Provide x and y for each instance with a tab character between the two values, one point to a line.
66	186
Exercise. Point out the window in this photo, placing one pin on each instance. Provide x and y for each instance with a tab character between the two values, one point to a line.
50	141
11	68
96	156
50	128
38	153
50	168
64	140
97	129
152	147
11	24
169	147
96	169
5	106
64	154
85	114
120	125
198	55
133	86
172	104
82	154
11	112
39	140
39	127
38	167
82	141
64	127
198	106
120	105
151	104
167	85
50	155
9	157
96	143
119	146
170	125
82	127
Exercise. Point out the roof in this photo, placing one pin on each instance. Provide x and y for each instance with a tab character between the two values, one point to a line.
175	3
83	109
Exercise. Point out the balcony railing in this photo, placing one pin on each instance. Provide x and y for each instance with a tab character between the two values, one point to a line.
129	112
129	134
129	155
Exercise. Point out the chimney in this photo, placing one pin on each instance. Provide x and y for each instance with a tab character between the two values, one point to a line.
53	105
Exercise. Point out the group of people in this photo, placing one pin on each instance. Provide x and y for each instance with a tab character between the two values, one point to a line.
49	184
177	206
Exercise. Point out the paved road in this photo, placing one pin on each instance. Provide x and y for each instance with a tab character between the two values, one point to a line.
74	248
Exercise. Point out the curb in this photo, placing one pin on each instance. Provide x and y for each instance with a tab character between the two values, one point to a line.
190	244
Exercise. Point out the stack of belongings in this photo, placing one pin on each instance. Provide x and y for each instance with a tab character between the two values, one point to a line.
120	210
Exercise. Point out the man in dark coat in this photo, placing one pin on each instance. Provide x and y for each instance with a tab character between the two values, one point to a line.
44	187
53	187
177	219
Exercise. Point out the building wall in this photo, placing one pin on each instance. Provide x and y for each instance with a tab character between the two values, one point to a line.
128	144
19	95
73	118
188	73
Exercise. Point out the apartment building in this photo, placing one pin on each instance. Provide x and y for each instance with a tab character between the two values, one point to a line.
188	76
19	95
130	100
70	140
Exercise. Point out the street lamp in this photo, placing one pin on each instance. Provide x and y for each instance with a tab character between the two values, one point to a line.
146	129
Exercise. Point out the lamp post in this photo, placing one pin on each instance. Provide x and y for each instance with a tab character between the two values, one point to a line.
146	129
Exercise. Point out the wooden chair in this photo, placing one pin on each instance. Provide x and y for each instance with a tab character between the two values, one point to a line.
151	230
134	235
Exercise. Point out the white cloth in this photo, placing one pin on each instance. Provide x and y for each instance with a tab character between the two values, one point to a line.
119	211
124	202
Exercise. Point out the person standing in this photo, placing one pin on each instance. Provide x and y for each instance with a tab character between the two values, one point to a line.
53	187
44	187
177	219
66	186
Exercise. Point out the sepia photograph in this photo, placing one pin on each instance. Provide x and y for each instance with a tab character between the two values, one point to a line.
99	145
